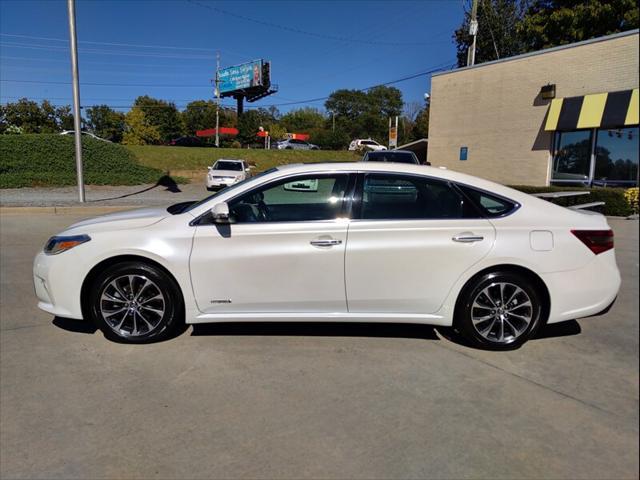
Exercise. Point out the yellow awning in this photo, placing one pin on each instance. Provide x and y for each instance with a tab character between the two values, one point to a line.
600	110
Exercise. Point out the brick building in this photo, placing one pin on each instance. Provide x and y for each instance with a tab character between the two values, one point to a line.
565	115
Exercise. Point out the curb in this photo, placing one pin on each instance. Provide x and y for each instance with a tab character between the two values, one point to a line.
89	210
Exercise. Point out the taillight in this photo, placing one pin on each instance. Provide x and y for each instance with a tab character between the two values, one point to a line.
597	241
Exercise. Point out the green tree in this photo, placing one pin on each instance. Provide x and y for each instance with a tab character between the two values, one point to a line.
549	23
250	122
164	116
139	131
106	122
302	120
511	27
27	115
277	131
64	117
498	31
327	139
201	115
361	114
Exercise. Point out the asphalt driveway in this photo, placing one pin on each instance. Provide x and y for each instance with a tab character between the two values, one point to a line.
311	400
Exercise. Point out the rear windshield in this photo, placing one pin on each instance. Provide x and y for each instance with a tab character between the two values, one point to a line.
368	142
222	165
389	156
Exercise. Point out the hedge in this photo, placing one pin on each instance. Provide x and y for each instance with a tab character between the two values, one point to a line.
616	202
49	160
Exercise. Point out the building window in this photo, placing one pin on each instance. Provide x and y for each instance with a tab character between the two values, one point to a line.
611	160
616	157
573	157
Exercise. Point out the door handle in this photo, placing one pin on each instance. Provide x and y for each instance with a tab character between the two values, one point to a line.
467	238
325	242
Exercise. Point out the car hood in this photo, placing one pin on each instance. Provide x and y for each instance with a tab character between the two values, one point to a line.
141	217
226	173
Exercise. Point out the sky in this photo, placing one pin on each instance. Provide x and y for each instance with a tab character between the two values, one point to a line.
167	48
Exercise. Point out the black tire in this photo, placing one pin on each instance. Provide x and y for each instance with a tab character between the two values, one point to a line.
133	329
515	331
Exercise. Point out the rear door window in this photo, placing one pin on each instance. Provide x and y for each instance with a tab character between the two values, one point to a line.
406	197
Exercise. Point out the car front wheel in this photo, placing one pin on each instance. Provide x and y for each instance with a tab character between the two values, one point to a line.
135	303
499	310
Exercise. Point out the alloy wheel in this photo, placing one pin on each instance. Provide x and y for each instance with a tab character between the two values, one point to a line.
132	305
501	312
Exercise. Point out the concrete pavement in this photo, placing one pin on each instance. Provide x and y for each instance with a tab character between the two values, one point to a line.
311	400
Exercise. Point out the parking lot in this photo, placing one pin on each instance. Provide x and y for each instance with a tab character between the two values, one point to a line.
311	400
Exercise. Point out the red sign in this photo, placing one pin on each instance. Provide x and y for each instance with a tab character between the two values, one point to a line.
299	136
210	132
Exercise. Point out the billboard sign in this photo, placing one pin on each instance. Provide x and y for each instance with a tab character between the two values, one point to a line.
240	77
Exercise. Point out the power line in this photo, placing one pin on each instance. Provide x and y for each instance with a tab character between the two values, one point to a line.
11	80
116	44
296	102
305	32
111	44
102	52
59	60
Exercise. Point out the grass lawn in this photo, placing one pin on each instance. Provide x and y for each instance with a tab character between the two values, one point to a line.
181	159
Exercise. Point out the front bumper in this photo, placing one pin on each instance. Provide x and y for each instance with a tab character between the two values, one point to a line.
218	183
56	285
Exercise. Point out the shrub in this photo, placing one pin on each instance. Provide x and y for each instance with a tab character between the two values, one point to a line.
49	160
631	194
329	140
616	203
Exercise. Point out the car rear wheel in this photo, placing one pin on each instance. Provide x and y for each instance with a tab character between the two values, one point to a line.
499	310
135	303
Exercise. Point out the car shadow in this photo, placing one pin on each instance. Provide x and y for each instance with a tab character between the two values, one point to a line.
562	329
326	329
75	326
317	329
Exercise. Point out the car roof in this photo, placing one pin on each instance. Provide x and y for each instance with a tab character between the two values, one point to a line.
229	160
387	152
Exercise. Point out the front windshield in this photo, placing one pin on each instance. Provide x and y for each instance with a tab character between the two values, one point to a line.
387	156
231	187
224	165
369	142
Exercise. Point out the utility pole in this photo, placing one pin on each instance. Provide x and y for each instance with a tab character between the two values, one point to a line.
333	121
217	100
71	8
473	31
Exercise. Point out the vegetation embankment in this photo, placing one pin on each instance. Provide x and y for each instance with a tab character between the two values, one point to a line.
49	160
180	159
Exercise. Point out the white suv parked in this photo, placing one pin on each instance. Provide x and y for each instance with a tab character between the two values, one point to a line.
366	144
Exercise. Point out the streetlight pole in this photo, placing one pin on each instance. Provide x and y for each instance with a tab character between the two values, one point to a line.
217	100
71	8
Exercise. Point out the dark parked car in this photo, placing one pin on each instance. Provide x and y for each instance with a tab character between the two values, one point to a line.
397	156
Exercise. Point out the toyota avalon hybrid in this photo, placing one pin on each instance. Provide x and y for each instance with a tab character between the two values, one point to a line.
349	242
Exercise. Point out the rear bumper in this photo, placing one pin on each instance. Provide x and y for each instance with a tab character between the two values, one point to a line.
585	292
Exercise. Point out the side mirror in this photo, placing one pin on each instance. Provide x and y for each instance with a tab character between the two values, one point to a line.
220	213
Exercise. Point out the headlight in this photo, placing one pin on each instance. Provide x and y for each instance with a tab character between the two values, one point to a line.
57	245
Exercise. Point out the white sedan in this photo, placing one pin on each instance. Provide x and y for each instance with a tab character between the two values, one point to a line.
359	242
226	172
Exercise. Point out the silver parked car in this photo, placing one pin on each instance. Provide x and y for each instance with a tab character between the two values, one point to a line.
295	144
